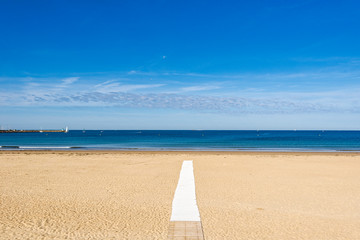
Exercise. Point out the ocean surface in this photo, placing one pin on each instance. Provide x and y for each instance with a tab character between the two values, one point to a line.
319	141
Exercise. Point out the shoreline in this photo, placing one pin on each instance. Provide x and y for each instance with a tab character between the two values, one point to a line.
95	151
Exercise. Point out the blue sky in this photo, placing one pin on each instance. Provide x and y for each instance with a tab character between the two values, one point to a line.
180	64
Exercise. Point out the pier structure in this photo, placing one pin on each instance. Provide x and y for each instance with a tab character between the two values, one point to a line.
33	131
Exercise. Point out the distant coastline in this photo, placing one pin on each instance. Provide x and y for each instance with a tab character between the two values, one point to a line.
29	131
34	131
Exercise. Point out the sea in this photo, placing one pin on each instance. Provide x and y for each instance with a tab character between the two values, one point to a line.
185	140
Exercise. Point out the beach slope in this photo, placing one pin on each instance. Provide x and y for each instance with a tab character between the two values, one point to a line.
128	195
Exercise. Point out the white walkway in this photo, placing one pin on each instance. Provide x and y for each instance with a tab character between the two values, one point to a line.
185	217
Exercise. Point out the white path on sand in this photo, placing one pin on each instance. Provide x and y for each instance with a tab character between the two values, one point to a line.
185	218
184	207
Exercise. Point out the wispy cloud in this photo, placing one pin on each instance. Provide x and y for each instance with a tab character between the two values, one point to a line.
68	81
104	83
185	102
115	86
198	88
296	92
65	83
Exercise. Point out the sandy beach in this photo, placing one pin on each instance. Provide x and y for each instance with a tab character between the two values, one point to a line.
128	195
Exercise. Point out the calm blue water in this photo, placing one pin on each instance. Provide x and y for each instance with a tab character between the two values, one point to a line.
186	140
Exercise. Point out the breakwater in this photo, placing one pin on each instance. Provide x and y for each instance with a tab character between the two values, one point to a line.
30	131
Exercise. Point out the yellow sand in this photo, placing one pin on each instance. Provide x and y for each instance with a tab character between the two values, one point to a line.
128	195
